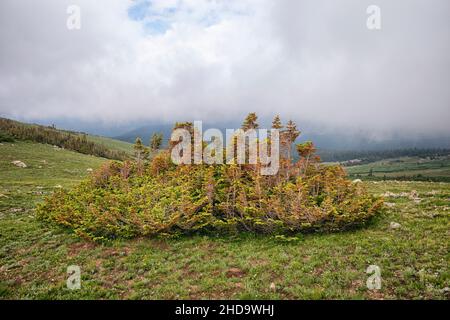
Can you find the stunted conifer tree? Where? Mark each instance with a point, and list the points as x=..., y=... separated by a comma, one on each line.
x=138, y=148
x=174, y=200
x=156, y=141
x=189, y=126
x=250, y=122
x=139, y=152
x=305, y=151
x=291, y=135
x=276, y=123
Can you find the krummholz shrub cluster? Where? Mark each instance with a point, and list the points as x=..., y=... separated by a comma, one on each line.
x=130, y=199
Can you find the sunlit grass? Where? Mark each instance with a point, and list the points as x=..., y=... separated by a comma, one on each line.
x=34, y=256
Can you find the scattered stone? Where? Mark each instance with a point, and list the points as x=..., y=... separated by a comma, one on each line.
x=273, y=287
x=194, y=288
x=15, y=210
x=89, y=169
x=405, y=194
x=389, y=194
x=19, y=164
x=414, y=195
x=58, y=186
x=395, y=225
x=357, y=181
x=422, y=274
x=389, y=204
x=432, y=215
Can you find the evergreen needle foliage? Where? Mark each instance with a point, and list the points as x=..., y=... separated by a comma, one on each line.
x=135, y=198
x=10, y=130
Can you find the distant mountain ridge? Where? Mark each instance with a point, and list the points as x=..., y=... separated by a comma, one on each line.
x=331, y=140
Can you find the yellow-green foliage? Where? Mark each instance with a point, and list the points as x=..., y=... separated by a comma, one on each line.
x=11, y=130
x=119, y=200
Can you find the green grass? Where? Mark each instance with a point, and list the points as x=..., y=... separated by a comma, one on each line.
x=45, y=164
x=404, y=167
x=112, y=144
x=34, y=256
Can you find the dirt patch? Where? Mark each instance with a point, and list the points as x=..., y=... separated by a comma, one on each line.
x=160, y=245
x=375, y=295
x=116, y=252
x=78, y=247
x=318, y=271
x=235, y=273
x=259, y=262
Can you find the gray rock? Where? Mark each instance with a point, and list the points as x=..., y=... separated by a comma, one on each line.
x=395, y=225
x=19, y=164
x=273, y=287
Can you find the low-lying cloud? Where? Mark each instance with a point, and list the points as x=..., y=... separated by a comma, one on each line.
x=313, y=61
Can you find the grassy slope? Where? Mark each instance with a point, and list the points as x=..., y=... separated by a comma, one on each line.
x=46, y=164
x=112, y=144
x=34, y=256
x=47, y=168
x=407, y=166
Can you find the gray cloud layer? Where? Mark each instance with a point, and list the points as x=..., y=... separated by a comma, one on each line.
x=310, y=60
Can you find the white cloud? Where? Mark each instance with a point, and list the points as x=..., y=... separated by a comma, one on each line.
x=217, y=60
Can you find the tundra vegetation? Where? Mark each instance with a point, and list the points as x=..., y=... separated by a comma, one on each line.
x=10, y=130
x=34, y=255
x=156, y=197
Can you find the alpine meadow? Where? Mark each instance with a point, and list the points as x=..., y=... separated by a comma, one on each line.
x=224, y=155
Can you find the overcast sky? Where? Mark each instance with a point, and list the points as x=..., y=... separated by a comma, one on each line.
x=161, y=60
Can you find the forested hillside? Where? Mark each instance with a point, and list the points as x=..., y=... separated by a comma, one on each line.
x=11, y=130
